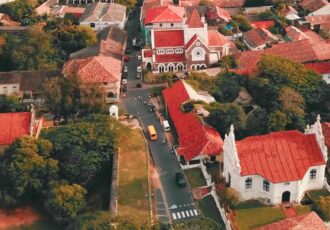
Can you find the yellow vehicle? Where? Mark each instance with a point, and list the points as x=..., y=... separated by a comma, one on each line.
x=152, y=132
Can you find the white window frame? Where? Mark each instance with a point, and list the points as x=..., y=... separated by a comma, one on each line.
x=169, y=51
x=160, y=51
x=179, y=51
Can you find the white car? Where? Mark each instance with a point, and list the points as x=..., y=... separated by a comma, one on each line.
x=139, y=57
x=124, y=81
x=125, y=69
x=139, y=69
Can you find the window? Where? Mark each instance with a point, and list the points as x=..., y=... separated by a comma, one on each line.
x=169, y=51
x=178, y=51
x=105, y=83
x=287, y=183
x=266, y=186
x=161, y=51
x=5, y=91
x=172, y=24
x=14, y=89
x=248, y=183
x=160, y=25
x=312, y=174
x=92, y=25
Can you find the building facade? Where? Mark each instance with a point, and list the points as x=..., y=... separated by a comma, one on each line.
x=277, y=167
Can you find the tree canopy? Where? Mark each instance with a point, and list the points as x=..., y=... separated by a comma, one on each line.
x=64, y=202
x=10, y=104
x=25, y=169
x=83, y=149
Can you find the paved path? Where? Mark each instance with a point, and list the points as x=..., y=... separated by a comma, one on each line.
x=172, y=202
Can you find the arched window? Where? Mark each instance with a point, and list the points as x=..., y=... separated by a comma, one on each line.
x=248, y=183
x=312, y=174
x=266, y=185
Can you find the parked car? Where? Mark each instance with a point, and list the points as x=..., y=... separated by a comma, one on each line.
x=134, y=42
x=138, y=85
x=179, y=179
x=139, y=69
x=127, y=51
x=124, y=81
x=139, y=57
x=138, y=75
x=124, y=88
x=126, y=58
x=125, y=69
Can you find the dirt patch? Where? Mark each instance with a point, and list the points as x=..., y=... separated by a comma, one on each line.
x=19, y=217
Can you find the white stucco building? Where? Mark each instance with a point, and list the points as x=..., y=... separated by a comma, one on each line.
x=277, y=167
x=100, y=15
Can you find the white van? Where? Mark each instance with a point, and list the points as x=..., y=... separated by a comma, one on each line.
x=166, y=126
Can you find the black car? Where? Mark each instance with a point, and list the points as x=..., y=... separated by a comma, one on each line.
x=179, y=179
x=124, y=87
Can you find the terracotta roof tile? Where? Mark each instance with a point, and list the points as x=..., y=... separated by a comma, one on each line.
x=326, y=133
x=319, y=67
x=229, y=3
x=262, y=24
x=295, y=34
x=216, y=39
x=259, y=36
x=279, y=156
x=322, y=20
x=218, y=12
x=95, y=69
x=164, y=14
x=13, y=126
x=313, y=5
x=194, y=20
x=309, y=221
x=191, y=41
x=161, y=38
x=147, y=53
x=194, y=137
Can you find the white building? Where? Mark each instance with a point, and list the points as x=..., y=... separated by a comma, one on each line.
x=5, y=1
x=100, y=15
x=277, y=167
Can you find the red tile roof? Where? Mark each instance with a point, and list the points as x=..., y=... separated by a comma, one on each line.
x=258, y=36
x=229, y=3
x=168, y=38
x=186, y=3
x=191, y=41
x=300, y=51
x=147, y=53
x=322, y=20
x=279, y=156
x=216, y=39
x=194, y=20
x=295, y=34
x=326, y=133
x=262, y=24
x=161, y=58
x=319, y=67
x=13, y=126
x=309, y=221
x=313, y=5
x=164, y=14
x=97, y=69
x=218, y=12
x=195, y=138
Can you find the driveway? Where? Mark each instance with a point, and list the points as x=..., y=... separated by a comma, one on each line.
x=172, y=202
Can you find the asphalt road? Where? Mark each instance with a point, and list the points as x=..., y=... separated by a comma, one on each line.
x=172, y=202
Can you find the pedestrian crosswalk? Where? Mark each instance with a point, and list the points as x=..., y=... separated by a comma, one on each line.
x=184, y=214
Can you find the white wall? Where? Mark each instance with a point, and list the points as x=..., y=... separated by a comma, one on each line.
x=326, y=77
x=254, y=48
x=101, y=25
x=9, y=89
x=201, y=32
x=5, y=1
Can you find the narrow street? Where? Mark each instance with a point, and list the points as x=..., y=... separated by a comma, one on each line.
x=172, y=202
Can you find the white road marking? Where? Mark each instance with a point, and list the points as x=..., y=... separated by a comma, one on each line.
x=174, y=216
x=179, y=216
x=195, y=211
x=191, y=212
x=183, y=215
x=187, y=213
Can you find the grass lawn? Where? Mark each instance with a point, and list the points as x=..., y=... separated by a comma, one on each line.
x=314, y=194
x=133, y=176
x=303, y=209
x=195, y=177
x=214, y=171
x=255, y=217
x=209, y=209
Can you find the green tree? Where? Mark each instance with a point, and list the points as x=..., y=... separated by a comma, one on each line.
x=242, y=21
x=83, y=149
x=228, y=62
x=323, y=205
x=278, y=121
x=228, y=87
x=18, y=10
x=65, y=202
x=257, y=122
x=10, y=104
x=223, y=115
x=102, y=220
x=68, y=96
x=292, y=102
x=128, y=3
x=25, y=169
